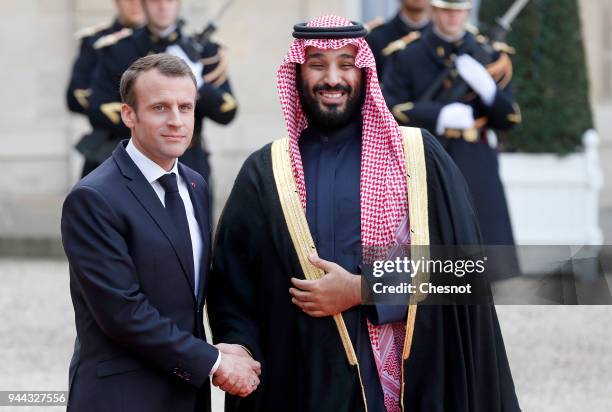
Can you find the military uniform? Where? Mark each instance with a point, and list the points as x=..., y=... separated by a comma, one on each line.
x=116, y=52
x=390, y=37
x=80, y=78
x=408, y=92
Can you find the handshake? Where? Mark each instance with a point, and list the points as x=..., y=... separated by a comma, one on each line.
x=238, y=373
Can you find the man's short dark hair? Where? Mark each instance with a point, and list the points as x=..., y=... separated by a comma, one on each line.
x=166, y=64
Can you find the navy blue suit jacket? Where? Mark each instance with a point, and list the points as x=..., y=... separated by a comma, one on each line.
x=138, y=321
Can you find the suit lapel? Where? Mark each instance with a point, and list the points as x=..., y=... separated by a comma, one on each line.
x=144, y=193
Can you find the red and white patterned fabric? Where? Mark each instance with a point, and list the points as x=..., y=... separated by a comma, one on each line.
x=383, y=189
x=387, y=342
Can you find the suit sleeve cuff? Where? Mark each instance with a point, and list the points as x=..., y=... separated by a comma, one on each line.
x=216, y=365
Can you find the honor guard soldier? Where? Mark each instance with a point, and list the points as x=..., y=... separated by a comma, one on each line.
x=130, y=15
x=162, y=34
x=407, y=25
x=456, y=85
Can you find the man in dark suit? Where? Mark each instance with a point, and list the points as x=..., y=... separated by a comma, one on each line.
x=137, y=235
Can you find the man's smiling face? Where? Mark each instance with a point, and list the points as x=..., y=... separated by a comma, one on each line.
x=330, y=86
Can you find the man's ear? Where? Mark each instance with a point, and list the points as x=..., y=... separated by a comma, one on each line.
x=128, y=115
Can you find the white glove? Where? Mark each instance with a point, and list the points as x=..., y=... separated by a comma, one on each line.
x=455, y=116
x=477, y=77
x=492, y=138
x=196, y=67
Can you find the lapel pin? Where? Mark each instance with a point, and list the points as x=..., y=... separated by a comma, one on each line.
x=193, y=184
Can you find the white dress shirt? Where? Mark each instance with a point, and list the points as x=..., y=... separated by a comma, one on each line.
x=152, y=171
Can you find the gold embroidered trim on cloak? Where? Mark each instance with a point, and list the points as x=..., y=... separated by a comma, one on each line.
x=295, y=218
x=414, y=156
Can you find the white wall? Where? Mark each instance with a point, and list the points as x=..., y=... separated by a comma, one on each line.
x=38, y=162
x=35, y=126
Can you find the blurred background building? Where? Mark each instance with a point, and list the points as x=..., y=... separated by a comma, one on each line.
x=38, y=134
x=597, y=29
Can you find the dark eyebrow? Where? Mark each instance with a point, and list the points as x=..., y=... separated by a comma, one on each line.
x=318, y=55
x=166, y=103
x=314, y=55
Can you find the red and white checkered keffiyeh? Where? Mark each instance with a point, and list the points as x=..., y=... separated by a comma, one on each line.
x=383, y=173
x=384, y=202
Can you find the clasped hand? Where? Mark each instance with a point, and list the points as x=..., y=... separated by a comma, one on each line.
x=238, y=373
x=335, y=292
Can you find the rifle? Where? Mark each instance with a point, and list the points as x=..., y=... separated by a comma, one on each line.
x=204, y=36
x=459, y=87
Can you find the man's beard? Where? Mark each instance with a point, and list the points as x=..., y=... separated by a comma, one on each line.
x=334, y=117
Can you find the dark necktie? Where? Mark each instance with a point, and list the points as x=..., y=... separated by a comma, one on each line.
x=176, y=210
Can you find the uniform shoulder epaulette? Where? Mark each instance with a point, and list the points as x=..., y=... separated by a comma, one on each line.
x=502, y=47
x=90, y=31
x=482, y=39
x=472, y=29
x=374, y=23
x=498, y=46
x=401, y=44
x=112, y=38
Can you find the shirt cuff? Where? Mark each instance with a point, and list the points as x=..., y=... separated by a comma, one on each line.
x=216, y=365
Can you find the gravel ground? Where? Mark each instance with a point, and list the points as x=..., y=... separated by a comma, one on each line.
x=561, y=356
